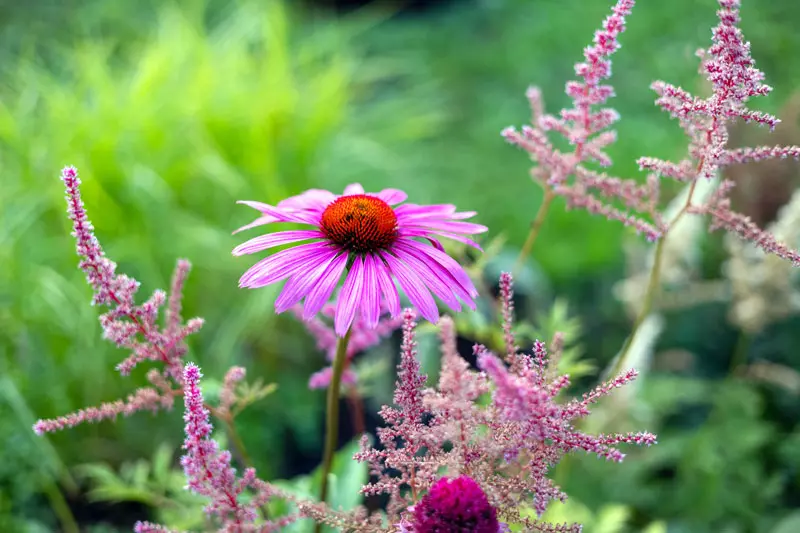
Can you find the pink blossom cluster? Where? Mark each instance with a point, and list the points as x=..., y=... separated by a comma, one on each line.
x=128, y=325
x=507, y=447
x=734, y=79
x=209, y=472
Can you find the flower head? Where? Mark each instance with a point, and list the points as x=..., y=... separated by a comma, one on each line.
x=372, y=241
x=455, y=506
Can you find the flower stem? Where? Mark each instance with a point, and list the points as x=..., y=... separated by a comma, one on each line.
x=654, y=283
x=357, y=411
x=536, y=226
x=332, y=416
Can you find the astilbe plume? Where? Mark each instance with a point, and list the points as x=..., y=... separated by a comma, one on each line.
x=506, y=448
x=209, y=473
x=128, y=325
x=734, y=79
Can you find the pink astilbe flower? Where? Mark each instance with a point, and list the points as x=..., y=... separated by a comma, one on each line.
x=209, y=472
x=734, y=79
x=372, y=239
x=127, y=324
x=455, y=506
x=362, y=338
x=505, y=449
x=586, y=127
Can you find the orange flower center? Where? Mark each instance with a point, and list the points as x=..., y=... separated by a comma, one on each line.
x=360, y=223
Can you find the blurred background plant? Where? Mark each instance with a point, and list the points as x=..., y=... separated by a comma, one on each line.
x=175, y=110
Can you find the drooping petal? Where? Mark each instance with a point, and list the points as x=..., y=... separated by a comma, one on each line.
x=283, y=264
x=371, y=306
x=450, y=226
x=349, y=298
x=447, y=262
x=270, y=240
x=260, y=221
x=425, y=233
x=301, y=282
x=319, y=293
x=416, y=290
x=405, y=250
x=353, y=188
x=389, y=291
x=425, y=270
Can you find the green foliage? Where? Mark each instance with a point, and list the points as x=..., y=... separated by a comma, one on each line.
x=156, y=483
x=608, y=519
x=346, y=478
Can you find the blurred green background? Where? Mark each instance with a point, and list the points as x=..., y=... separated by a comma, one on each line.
x=172, y=111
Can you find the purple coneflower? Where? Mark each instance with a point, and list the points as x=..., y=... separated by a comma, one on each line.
x=371, y=238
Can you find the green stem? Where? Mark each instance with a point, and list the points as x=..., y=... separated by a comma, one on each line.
x=536, y=226
x=332, y=416
x=647, y=307
x=60, y=507
x=237, y=442
x=654, y=284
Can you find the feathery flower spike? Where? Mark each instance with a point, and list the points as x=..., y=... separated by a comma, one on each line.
x=372, y=239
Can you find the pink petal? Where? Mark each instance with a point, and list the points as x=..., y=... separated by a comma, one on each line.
x=266, y=219
x=283, y=264
x=321, y=292
x=424, y=270
x=284, y=215
x=371, y=306
x=426, y=233
x=353, y=188
x=447, y=262
x=388, y=289
x=467, y=228
x=414, y=211
x=414, y=288
x=270, y=240
x=349, y=298
x=442, y=272
x=299, y=284
x=392, y=196
x=314, y=199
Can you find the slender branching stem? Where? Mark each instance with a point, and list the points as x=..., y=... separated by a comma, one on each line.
x=536, y=227
x=654, y=283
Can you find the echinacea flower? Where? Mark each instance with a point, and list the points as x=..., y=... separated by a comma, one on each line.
x=371, y=238
x=455, y=506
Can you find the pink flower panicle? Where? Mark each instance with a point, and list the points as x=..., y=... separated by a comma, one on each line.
x=143, y=399
x=734, y=78
x=507, y=299
x=586, y=127
x=362, y=338
x=448, y=431
x=148, y=527
x=209, y=472
x=406, y=426
x=127, y=325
